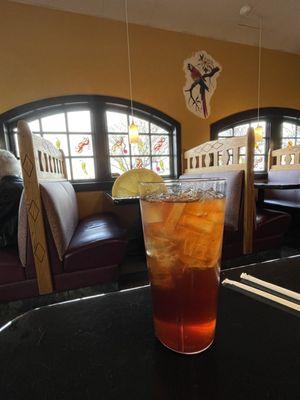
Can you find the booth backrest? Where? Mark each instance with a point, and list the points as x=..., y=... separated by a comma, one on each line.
x=60, y=203
x=230, y=158
x=286, y=158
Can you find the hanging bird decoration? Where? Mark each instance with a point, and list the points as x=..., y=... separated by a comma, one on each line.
x=201, y=73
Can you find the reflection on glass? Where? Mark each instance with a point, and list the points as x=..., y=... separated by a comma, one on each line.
x=142, y=147
x=34, y=125
x=116, y=122
x=160, y=144
x=81, y=145
x=118, y=165
x=79, y=121
x=118, y=144
x=83, y=168
x=161, y=165
x=59, y=141
x=157, y=129
x=54, y=123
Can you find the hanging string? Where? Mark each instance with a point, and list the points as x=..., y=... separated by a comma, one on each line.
x=259, y=68
x=129, y=57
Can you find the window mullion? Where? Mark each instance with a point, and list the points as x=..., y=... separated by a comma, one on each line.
x=101, y=141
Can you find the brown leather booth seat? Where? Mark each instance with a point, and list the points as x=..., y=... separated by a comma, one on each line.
x=269, y=227
x=82, y=253
x=283, y=198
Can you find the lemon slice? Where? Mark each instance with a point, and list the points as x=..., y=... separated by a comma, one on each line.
x=127, y=184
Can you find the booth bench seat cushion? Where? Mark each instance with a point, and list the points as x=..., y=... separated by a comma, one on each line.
x=271, y=223
x=97, y=241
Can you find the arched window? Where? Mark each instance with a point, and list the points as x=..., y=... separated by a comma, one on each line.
x=93, y=133
x=281, y=128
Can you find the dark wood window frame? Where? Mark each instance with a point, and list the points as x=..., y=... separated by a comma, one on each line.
x=98, y=105
x=274, y=116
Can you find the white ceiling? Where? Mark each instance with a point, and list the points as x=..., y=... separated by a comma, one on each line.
x=217, y=19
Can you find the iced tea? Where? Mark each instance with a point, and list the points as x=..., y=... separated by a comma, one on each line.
x=183, y=238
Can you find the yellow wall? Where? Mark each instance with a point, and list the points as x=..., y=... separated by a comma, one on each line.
x=48, y=53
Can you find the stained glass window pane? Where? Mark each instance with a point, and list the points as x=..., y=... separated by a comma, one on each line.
x=288, y=130
x=242, y=159
x=142, y=147
x=59, y=141
x=119, y=165
x=116, y=122
x=143, y=125
x=34, y=126
x=79, y=121
x=161, y=165
x=160, y=144
x=141, y=162
x=81, y=145
x=157, y=129
x=240, y=130
x=288, y=142
x=226, y=133
x=263, y=124
x=242, y=150
x=260, y=147
x=83, y=168
x=118, y=144
x=54, y=123
x=259, y=163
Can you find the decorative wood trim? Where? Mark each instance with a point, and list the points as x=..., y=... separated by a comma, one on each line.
x=224, y=155
x=289, y=155
x=28, y=156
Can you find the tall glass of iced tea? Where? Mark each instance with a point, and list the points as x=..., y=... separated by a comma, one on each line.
x=183, y=224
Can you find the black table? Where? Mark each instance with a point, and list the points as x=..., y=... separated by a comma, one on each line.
x=123, y=200
x=262, y=186
x=104, y=348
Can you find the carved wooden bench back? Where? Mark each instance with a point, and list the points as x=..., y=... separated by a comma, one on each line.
x=285, y=158
x=40, y=160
